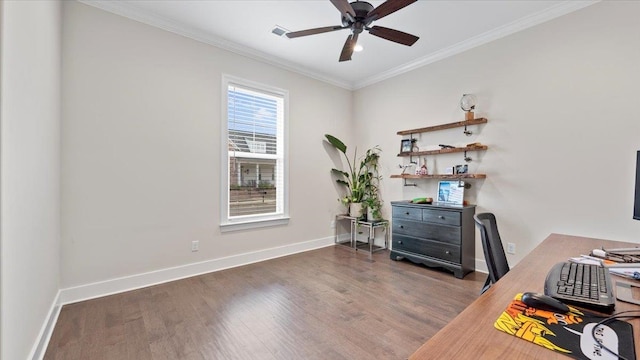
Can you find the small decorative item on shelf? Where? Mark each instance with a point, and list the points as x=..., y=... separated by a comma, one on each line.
x=423, y=169
x=405, y=167
x=462, y=169
x=468, y=104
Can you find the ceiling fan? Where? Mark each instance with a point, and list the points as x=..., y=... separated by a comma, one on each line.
x=357, y=16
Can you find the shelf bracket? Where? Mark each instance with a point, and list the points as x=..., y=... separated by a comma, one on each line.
x=466, y=158
x=464, y=184
x=414, y=148
x=407, y=184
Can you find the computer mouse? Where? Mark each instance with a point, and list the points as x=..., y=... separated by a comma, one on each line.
x=544, y=302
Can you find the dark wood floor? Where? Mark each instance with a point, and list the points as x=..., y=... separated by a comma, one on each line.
x=331, y=303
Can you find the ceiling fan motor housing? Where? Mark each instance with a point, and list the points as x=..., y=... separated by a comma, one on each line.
x=362, y=9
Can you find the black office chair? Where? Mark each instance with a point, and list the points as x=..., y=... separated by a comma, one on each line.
x=492, y=246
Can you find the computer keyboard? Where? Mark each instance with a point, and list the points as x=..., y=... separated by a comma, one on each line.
x=583, y=285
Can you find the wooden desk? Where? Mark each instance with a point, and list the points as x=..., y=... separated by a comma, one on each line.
x=471, y=334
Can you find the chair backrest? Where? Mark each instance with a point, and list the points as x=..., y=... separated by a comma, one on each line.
x=492, y=246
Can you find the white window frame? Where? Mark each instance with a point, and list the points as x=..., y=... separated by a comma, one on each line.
x=259, y=220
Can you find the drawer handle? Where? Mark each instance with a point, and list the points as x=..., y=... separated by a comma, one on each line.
x=407, y=213
x=399, y=241
x=401, y=226
x=447, y=252
x=440, y=217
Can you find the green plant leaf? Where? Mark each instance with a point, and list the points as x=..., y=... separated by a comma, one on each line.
x=336, y=143
x=362, y=178
x=340, y=172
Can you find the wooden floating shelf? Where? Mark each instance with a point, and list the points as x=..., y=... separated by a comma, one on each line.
x=444, y=126
x=443, y=177
x=444, y=151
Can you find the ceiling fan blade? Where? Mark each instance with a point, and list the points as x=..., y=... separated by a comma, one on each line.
x=386, y=8
x=295, y=34
x=345, y=9
x=347, y=49
x=394, y=35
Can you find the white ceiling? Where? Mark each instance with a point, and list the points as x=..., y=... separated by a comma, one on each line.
x=444, y=27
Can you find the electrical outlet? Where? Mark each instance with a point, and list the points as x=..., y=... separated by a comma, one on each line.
x=195, y=245
x=511, y=248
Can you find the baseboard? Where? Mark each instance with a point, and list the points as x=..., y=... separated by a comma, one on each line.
x=137, y=281
x=40, y=347
x=481, y=266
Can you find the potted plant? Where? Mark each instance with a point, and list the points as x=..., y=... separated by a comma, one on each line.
x=374, y=208
x=372, y=200
x=361, y=180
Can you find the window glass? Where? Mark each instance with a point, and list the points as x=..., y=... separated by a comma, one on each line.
x=255, y=121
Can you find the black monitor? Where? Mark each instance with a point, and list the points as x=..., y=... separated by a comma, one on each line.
x=636, y=202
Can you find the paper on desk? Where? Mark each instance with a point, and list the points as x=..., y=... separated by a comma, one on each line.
x=592, y=260
x=626, y=272
x=586, y=259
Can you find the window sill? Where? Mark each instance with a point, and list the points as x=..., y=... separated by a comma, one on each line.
x=253, y=224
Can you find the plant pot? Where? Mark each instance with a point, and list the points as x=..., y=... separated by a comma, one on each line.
x=355, y=210
x=370, y=216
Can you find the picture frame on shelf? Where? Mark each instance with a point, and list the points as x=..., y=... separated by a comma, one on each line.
x=406, y=145
x=462, y=169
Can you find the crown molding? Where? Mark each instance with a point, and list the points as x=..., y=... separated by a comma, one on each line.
x=132, y=12
x=481, y=39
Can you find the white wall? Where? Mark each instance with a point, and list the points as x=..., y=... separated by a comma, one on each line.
x=562, y=104
x=29, y=172
x=141, y=149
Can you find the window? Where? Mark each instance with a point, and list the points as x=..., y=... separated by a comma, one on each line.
x=254, y=185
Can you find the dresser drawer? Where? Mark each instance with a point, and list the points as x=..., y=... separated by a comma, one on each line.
x=429, y=248
x=407, y=213
x=442, y=217
x=443, y=233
